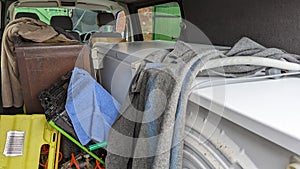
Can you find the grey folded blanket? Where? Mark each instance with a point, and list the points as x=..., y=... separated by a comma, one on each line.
x=145, y=134
x=149, y=132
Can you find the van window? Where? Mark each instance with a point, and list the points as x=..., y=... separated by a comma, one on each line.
x=122, y=25
x=83, y=20
x=160, y=22
x=44, y=14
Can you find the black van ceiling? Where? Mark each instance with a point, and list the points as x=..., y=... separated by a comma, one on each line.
x=141, y=2
x=273, y=23
x=128, y=1
x=132, y=1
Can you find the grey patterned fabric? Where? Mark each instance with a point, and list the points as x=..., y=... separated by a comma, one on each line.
x=149, y=131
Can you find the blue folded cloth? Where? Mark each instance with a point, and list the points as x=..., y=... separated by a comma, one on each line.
x=91, y=108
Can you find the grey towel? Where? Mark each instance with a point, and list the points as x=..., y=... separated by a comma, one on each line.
x=149, y=131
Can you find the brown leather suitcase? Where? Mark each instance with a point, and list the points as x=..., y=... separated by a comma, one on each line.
x=41, y=65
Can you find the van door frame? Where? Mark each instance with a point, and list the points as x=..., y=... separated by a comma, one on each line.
x=133, y=9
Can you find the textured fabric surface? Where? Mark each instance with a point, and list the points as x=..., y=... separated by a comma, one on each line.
x=90, y=107
x=247, y=47
x=29, y=29
x=149, y=131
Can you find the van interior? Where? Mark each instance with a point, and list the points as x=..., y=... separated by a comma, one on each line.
x=111, y=39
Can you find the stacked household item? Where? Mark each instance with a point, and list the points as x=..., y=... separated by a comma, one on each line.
x=136, y=66
x=82, y=111
x=24, y=42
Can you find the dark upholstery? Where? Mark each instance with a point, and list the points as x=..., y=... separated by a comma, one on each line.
x=63, y=22
x=105, y=18
x=64, y=25
x=75, y=35
x=27, y=14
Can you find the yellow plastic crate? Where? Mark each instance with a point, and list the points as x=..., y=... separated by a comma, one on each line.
x=37, y=132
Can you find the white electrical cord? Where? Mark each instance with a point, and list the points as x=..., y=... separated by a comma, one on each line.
x=295, y=163
x=250, y=60
x=246, y=60
x=223, y=81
